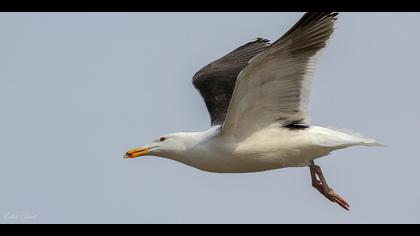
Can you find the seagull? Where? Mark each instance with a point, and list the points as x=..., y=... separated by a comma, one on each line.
x=257, y=98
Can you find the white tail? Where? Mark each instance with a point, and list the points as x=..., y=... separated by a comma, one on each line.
x=340, y=138
x=359, y=138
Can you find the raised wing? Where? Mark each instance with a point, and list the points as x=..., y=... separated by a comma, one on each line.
x=274, y=86
x=216, y=81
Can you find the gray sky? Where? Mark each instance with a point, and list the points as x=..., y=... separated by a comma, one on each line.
x=77, y=90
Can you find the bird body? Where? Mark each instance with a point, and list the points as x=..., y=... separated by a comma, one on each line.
x=270, y=148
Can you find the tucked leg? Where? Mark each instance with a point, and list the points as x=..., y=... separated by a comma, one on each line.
x=320, y=183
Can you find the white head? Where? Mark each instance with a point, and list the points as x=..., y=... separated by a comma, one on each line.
x=172, y=146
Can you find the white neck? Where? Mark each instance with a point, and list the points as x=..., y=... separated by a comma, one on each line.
x=183, y=142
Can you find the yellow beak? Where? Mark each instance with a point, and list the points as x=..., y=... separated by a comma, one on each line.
x=136, y=152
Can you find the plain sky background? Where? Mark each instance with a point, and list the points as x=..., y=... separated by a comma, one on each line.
x=77, y=90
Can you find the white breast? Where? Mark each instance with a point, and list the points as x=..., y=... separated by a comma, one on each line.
x=268, y=149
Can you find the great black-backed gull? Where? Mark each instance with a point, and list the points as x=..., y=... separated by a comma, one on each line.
x=257, y=97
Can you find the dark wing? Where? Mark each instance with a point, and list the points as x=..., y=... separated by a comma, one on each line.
x=274, y=87
x=216, y=81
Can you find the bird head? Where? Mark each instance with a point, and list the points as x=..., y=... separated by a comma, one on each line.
x=169, y=146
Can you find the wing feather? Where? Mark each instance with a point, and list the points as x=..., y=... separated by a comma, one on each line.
x=274, y=87
x=216, y=81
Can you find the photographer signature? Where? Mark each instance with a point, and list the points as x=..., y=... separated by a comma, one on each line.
x=13, y=216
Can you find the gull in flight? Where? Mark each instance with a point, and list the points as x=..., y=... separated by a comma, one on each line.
x=257, y=97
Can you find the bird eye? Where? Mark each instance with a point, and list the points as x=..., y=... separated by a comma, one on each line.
x=162, y=139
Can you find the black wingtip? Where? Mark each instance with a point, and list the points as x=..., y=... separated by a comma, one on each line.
x=259, y=39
